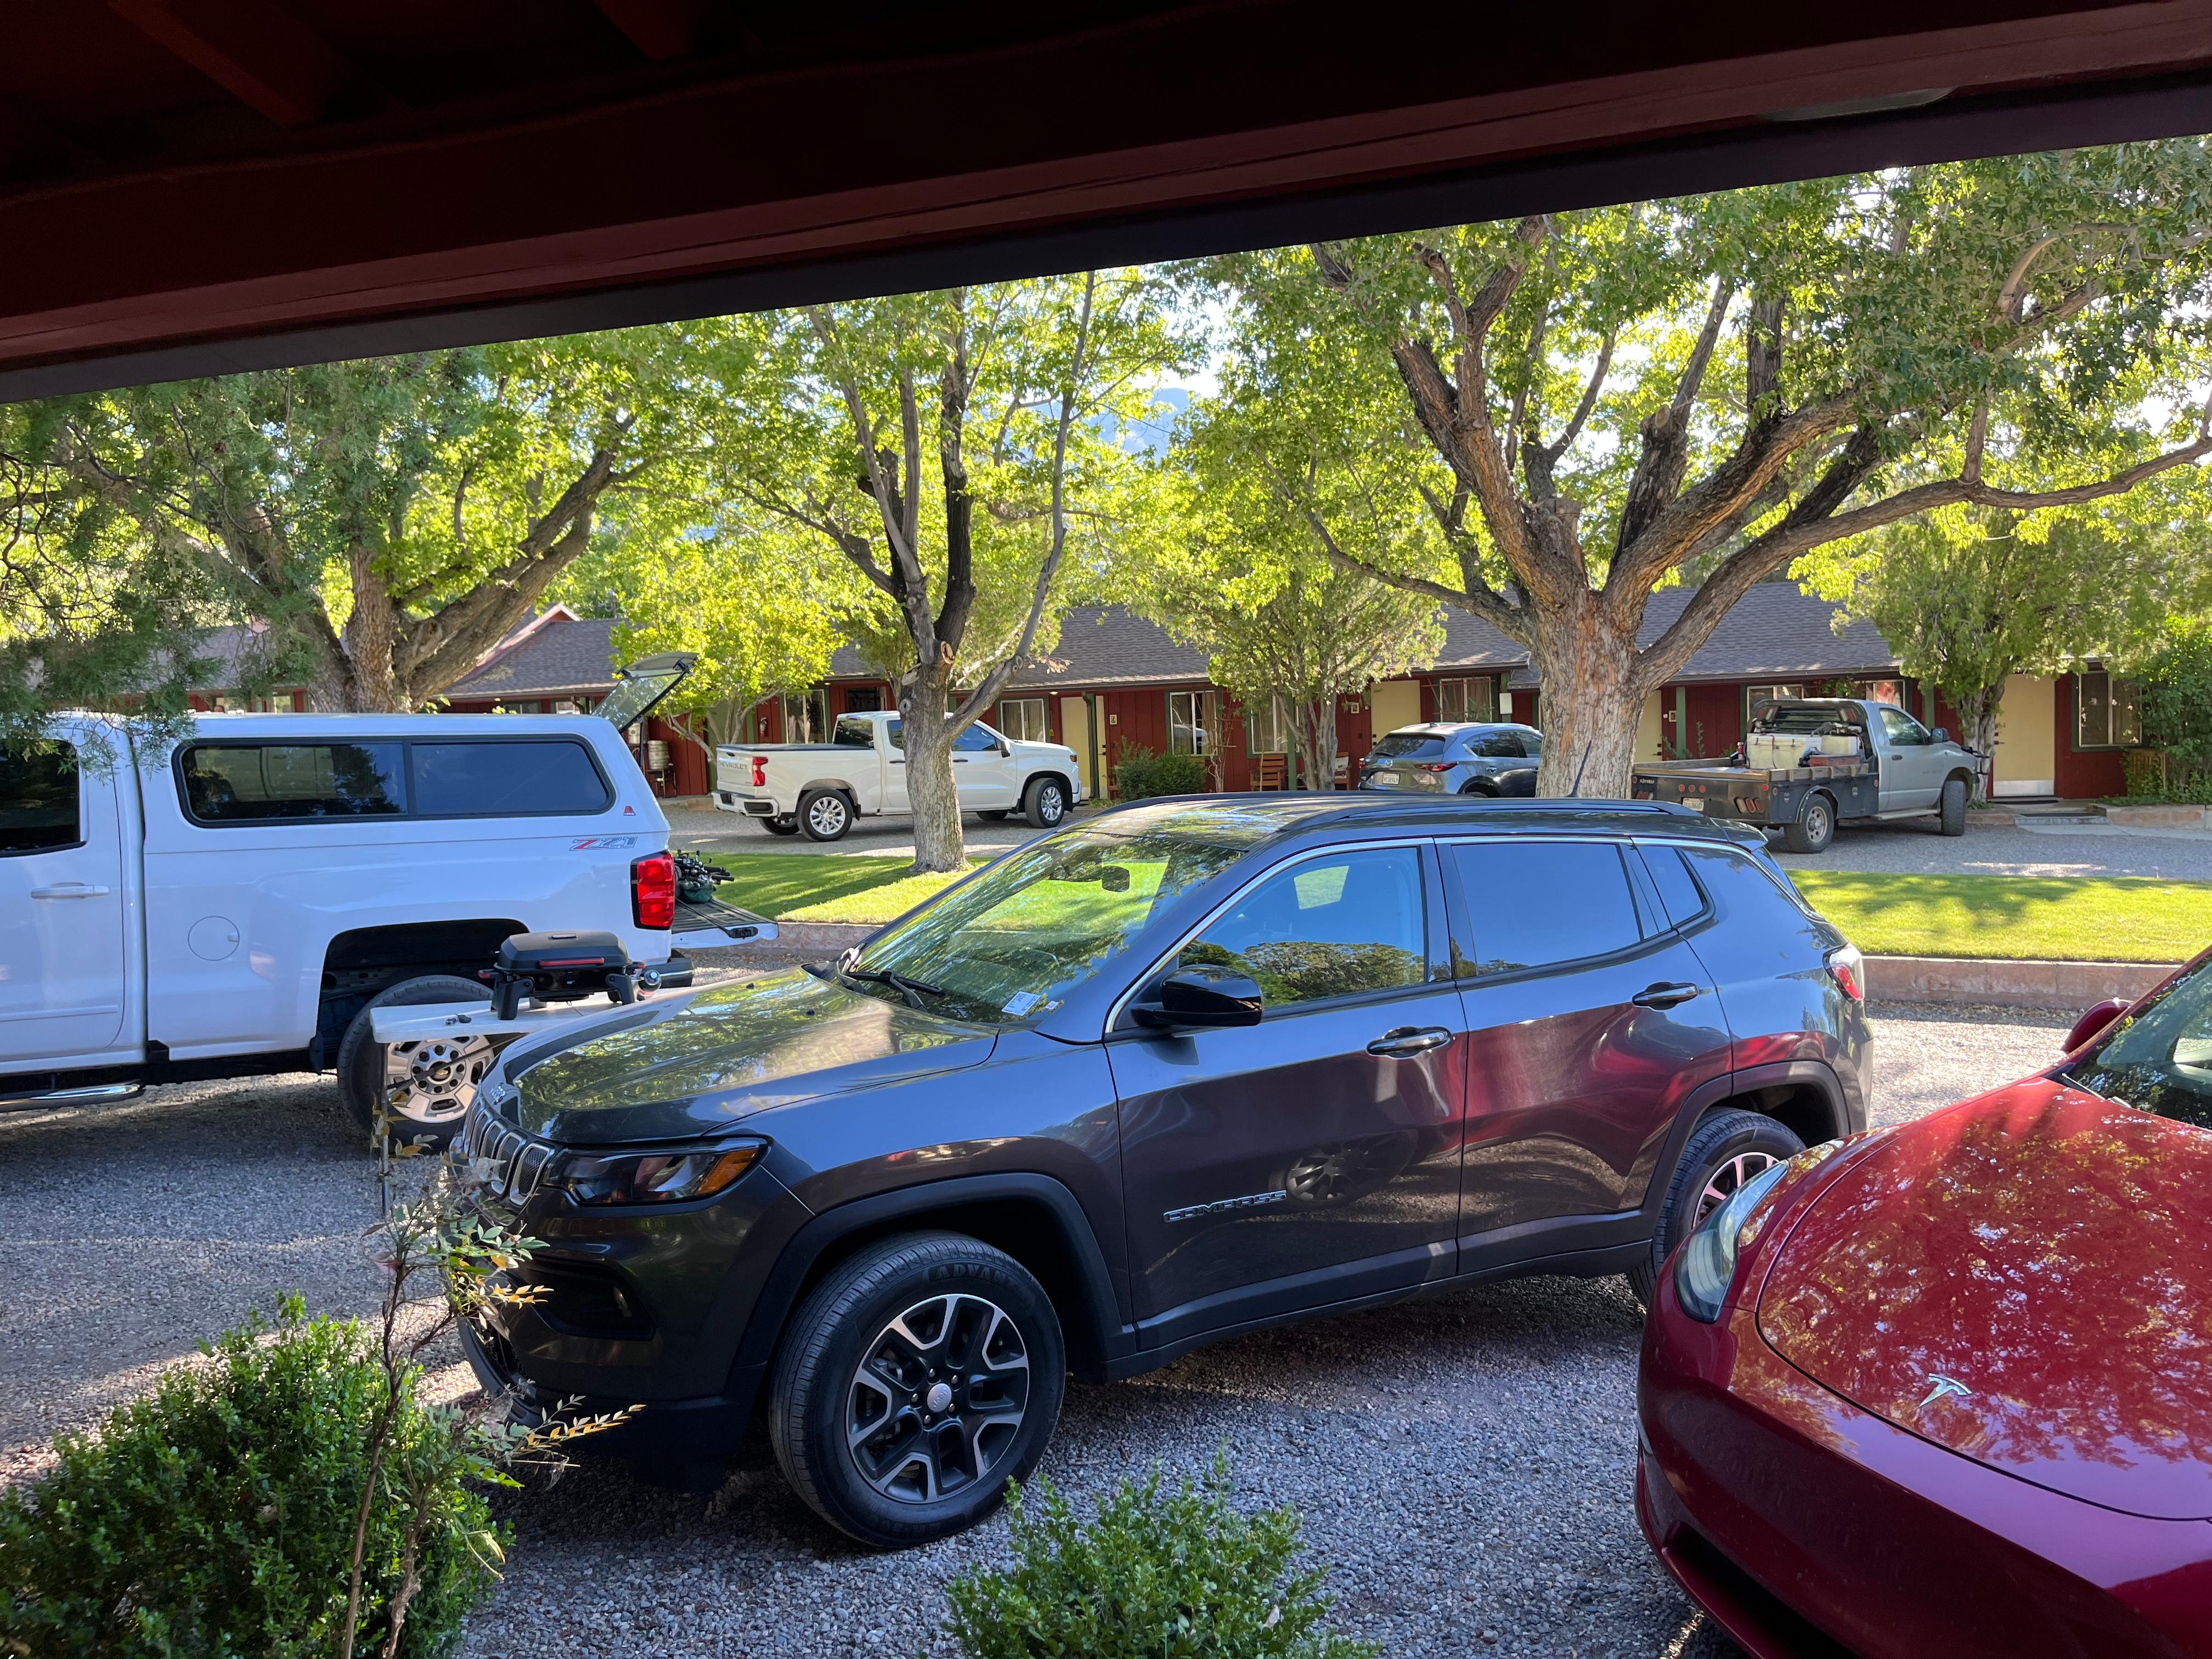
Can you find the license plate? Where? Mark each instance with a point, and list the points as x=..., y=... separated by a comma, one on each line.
x=1695, y=803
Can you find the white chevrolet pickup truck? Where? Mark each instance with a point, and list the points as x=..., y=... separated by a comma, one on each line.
x=235, y=903
x=819, y=788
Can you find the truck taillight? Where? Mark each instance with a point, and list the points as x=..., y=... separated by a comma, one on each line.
x=652, y=890
x=760, y=771
x=1849, y=968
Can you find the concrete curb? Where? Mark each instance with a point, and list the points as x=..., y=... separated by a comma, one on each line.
x=2160, y=818
x=1968, y=980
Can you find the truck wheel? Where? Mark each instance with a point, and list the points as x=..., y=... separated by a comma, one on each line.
x=1046, y=804
x=781, y=826
x=1725, y=1150
x=1815, y=826
x=918, y=1380
x=426, y=1085
x=825, y=815
x=1951, y=812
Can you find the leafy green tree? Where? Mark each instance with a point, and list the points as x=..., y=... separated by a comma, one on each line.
x=1703, y=390
x=1967, y=598
x=2176, y=678
x=388, y=520
x=1232, y=563
x=761, y=606
x=950, y=446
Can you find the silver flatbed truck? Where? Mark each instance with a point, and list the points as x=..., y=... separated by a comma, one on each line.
x=1809, y=764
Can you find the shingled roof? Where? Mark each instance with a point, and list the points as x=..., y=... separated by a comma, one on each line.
x=563, y=658
x=1775, y=629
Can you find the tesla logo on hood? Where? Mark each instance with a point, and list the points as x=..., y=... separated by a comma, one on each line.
x=1944, y=1388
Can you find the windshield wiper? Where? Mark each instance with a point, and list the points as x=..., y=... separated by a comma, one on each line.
x=905, y=987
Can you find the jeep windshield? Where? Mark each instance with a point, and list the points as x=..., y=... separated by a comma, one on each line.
x=1005, y=947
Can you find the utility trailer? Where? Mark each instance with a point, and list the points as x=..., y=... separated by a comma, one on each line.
x=1809, y=764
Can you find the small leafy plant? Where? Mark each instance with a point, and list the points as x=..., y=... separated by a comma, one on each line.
x=1141, y=774
x=1155, y=1574
x=296, y=1495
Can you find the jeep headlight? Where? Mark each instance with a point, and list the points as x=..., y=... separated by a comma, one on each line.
x=662, y=1177
x=1706, y=1267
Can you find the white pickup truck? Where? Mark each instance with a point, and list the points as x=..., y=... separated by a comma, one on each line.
x=235, y=903
x=819, y=788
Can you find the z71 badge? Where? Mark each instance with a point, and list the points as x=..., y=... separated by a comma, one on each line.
x=595, y=843
x=1223, y=1206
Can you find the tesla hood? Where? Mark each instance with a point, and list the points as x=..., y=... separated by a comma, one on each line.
x=2026, y=1280
x=699, y=1066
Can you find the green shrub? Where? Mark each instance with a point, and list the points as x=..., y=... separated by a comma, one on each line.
x=1139, y=774
x=1153, y=1574
x=215, y=1516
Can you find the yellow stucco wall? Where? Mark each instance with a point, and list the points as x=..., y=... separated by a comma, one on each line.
x=1648, y=736
x=1393, y=703
x=2027, y=739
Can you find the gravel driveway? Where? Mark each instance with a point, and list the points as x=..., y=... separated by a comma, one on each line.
x=1463, y=1462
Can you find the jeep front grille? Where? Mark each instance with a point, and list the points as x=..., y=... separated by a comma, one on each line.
x=510, y=1162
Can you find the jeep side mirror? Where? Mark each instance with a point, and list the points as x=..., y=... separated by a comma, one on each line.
x=1201, y=997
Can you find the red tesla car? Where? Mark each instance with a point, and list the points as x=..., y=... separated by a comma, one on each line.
x=1946, y=1388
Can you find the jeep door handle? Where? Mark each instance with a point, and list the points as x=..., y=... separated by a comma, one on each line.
x=1663, y=995
x=70, y=889
x=1409, y=1040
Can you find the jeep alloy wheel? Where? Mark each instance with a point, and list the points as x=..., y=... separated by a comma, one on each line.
x=937, y=1402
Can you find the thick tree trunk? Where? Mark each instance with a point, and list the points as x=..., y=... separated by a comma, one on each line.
x=1592, y=698
x=938, y=844
x=1980, y=714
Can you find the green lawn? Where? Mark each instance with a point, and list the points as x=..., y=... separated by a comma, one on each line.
x=2102, y=919
x=2079, y=918
x=824, y=886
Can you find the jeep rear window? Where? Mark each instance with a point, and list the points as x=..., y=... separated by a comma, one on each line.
x=261, y=782
x=37, y=796
x=1534, y=903
x=505, y=779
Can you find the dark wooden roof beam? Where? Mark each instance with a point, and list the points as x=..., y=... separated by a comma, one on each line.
x=661, y=29
x=254, y=49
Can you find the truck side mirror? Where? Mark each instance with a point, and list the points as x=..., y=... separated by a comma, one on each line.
x=1199, y=997
x=1943, y=736
x=1005, y=748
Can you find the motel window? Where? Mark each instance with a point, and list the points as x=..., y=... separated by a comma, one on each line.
x=2106, y=715
x=806, y=715
x=1191, y=725
x=1268, y=728
x=1467, y=700
x=1753, y=696
x=1023, y=718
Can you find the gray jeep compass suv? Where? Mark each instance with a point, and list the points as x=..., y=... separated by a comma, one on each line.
x=1180, y=1071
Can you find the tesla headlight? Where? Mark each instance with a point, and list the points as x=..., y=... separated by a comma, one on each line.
x=1706, y=1267
x=666, y=1178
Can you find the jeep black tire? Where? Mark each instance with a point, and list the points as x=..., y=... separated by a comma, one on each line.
x=825, y=815
x=1815, y=824
x=781, y=826
x=914, y=1383
x=1726, y=1149
x=431, y=1082
x=1950, y=812
x=1045, y=804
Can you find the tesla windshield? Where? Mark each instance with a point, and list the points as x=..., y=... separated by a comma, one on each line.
x=2160, y=1060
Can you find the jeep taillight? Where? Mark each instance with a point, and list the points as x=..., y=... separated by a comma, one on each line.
x=1849, y=968
x=652, y=890
x=760, y=771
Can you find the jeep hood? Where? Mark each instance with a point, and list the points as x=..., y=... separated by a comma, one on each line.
x=2026, y=1280
x=717, y=1057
